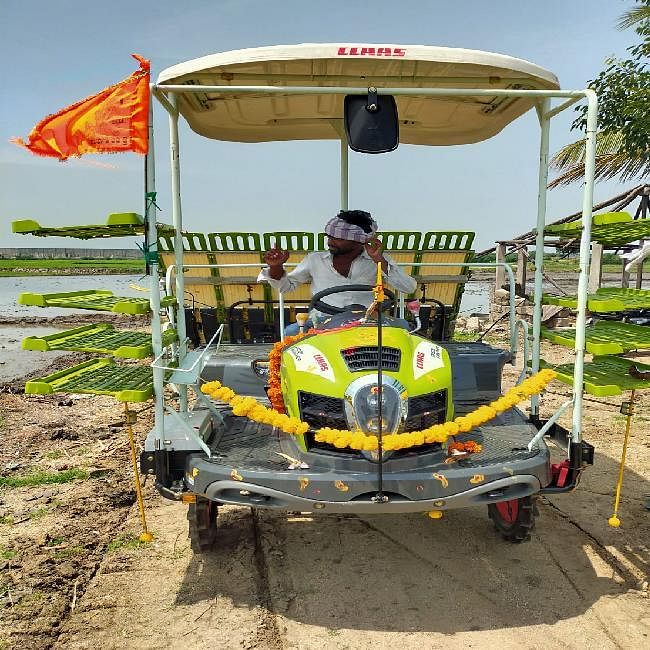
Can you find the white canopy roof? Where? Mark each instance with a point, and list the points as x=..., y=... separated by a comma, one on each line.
x=259, y=117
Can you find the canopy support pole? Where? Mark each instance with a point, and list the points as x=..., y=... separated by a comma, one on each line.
x=545, y=123
x=345, y=177
x=177, y=217
x=583, y=279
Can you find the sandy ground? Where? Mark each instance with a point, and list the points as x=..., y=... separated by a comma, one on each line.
x=74, y=576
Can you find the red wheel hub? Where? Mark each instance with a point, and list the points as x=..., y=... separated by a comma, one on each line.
x=508, y=510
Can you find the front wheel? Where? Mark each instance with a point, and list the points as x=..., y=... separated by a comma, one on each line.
x=202, y=520
x=514, y=519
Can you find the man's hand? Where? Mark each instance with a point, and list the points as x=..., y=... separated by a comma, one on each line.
x=374, y=250
x=275, y=258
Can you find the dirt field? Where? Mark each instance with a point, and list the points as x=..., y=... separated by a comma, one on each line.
x=74, y=575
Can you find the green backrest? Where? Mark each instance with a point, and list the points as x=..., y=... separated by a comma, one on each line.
x=192, y=241
x=448, y=240
x=235, y=241
x=289, y=240
x=294, y=241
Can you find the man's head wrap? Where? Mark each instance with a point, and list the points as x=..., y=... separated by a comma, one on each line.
x=341, y=229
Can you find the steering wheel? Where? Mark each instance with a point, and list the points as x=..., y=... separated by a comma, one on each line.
x=317, y=298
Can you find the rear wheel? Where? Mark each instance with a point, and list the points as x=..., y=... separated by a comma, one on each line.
x=514, y=519
x=202, y=520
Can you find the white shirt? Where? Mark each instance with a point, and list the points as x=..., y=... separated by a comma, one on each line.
x=318, y=269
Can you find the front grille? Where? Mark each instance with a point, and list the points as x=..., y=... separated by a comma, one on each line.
x=367, y=358
x=426, y=410
x=321, y=411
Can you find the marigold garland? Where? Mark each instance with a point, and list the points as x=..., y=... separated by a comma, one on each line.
x=275, y=360
x=252, y=409
x=469, y=447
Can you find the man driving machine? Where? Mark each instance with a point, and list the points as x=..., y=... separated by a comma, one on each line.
x=351, y=259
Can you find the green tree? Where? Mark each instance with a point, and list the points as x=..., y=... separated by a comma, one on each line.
x=623, y=87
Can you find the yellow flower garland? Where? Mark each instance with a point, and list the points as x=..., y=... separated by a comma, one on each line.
x=252, y=409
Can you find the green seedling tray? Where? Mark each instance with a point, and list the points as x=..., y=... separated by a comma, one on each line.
x=609, y=229
x=570, y=228
x=605, y=376
x=606, y=299
x=622, y=233
x=604, y=337
x=92, y=299
x=101, y=338
x=119, y=224
x=99, y=377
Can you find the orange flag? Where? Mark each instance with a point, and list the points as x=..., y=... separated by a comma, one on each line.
x=115, y=119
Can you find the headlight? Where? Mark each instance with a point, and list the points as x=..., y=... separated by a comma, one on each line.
x=362, y=404
x=373, y=425
x=373, y=398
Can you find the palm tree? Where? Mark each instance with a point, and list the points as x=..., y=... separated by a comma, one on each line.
x=634, y=16
x=613, y=156
x=612, y=160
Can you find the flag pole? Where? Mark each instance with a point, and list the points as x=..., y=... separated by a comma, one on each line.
x=379, y=299
x=151, y=255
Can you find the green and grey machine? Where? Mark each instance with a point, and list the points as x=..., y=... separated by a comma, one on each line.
x=369, y=98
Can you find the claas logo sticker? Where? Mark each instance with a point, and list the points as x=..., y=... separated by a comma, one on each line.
x=371, y=51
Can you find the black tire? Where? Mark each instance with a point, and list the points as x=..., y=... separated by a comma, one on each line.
x=514, y=519
x=202, y=520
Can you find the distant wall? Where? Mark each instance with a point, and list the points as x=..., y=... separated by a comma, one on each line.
x=70, y=253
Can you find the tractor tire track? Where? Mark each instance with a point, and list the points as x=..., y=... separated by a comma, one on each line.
x=268, y=631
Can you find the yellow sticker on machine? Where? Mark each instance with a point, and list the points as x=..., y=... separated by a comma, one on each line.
x=308, y=358
x=427, y=357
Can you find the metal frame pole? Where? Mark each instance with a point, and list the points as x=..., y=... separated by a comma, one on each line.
x=585, y=250
x=281, y=314
x=345, y=174
x=154, y=285
x=523, y=325
x=177, y=217
x=545, y=123
x=338, y=90
x=549, y=423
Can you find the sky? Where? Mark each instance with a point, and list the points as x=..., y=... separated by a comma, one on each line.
x=58, y=52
